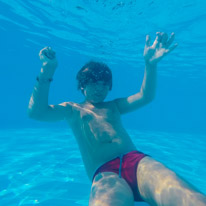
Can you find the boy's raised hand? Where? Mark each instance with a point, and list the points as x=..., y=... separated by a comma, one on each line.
x=49, y=61
x=48, y=56
x=161, y=46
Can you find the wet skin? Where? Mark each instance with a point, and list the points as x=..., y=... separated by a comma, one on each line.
x=97, y=127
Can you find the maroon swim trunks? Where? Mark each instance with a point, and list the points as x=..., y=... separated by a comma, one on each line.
x=125, y=166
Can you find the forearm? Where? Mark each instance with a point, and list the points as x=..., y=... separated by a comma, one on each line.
x=38, y=103
x=148, y=87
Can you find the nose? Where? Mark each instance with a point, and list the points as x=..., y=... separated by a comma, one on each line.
x=98, y=90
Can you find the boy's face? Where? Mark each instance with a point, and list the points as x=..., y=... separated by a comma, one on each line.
x=96, y=92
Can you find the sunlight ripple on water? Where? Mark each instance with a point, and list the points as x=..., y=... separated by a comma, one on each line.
x=114, y=31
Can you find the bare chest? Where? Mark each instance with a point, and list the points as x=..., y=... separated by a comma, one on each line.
x=97, y=124
x=101, y=113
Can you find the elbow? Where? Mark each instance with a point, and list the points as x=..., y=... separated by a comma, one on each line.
x=148, y=99
x=31, y=110
x=37, y=113
x=148, y=95
x=33, y=115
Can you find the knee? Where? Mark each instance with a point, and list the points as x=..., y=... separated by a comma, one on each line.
x=110, y=190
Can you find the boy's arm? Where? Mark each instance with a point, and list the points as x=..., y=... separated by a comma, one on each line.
x=38, y=105
x=152, y=55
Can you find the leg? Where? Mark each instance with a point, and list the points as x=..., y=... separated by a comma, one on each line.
x=160, y=186
x=110, y=190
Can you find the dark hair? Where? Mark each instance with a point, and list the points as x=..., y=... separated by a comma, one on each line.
x=93, y=72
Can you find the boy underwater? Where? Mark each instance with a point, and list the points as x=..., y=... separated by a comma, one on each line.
x=119, y=173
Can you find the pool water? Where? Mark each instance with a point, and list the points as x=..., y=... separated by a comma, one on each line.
x=40, y=163
x=44, y=166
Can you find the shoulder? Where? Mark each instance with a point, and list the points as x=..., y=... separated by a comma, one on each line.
x=67, y=104
x=65, y=107
x=112, y=105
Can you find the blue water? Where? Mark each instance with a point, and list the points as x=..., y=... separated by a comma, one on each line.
x=44, y=167
x=40, y=162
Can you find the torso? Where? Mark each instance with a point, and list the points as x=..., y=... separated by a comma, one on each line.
x=99, y=133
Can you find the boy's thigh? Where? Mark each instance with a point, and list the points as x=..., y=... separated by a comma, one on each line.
x=110, y=190
x=159, y=185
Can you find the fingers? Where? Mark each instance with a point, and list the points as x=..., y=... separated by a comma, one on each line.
x=164, y=38
x=48, y=52
x=171, y=48
x=163, y=41
x=171, y=39
x=147, y=44
x=157, y=40
x=169, y=42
